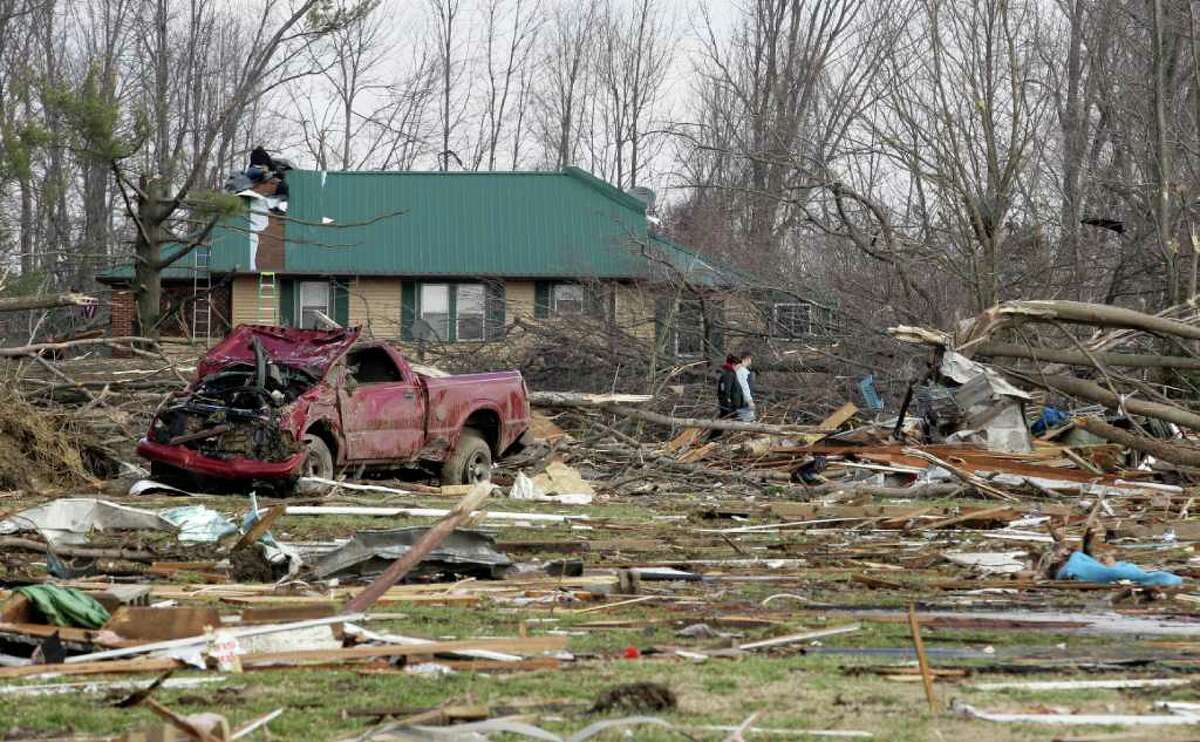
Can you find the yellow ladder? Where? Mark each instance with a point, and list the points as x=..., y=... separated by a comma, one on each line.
x=268, y=299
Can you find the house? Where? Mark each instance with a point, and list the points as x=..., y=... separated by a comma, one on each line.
x=452, y=258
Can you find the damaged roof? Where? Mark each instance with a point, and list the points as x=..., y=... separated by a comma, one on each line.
x=566, y=224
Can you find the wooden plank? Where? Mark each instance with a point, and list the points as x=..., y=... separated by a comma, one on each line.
x=93, y=668
x=531, y=645
x=922, y=660
x=260, y=527
x=1002, y=512
x=839, y=417
x=806, y=636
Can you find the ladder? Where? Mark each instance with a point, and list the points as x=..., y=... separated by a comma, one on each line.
x=202, y=294
x=268, y=298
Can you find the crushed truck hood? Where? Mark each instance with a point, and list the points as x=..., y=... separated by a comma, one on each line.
x=313, y=350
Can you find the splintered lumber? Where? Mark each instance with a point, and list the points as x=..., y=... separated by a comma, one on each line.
x=1157, y=448
x=922, y=660
x=708, y=424
x=806, y=636
x=202, y=639
x=1076, y=358
x=840, y=416
x=424, y=513
x=1094, y=392
x=975, y=481
x=260, y=527
x=528, y=645
x=415, y=553
x=89, y=552
x=147, y=664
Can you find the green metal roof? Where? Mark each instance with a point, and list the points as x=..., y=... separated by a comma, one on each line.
x=527, y=224
x=229, y=252
x=566, y=224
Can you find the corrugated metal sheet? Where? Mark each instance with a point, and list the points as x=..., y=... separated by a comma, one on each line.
x=549, y=225
x=566, y=224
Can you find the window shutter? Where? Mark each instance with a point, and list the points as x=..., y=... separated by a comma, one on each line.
x=452, y=329
x=662, y=329
x=594, y=300
x=715, y=328
x=287, y=302
x=493, y=321
x=341, y=301
x=541, y=299
x=408, y=308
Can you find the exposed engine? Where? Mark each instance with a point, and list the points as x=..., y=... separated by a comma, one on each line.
x=236, y=412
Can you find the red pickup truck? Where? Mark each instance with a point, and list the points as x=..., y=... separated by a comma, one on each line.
x=272, y=404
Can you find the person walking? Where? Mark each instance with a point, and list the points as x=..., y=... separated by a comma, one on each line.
x=729, y=393
x=745, y=411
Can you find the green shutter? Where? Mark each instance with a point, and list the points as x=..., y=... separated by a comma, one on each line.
x=452, y=322
x=715, y=326
x=408, y=308
x=287, y=302
x=493, y=318
x=594, y=295
x=341, y=301
x=541, y=299
x=662, y=328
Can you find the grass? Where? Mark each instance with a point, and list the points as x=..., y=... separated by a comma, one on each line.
x=790, y=688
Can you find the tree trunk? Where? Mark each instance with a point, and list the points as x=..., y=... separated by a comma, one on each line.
x=147, y=278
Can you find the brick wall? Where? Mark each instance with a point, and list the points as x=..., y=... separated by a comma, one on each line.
x=122, y=313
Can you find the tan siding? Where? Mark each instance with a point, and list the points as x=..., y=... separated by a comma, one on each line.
x=375, y=304
x=635, y=311
x=519, y=297
x=245, y=309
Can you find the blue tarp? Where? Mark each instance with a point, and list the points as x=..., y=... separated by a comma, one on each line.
x=1082, y=567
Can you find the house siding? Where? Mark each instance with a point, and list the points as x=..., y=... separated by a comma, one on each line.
x=245, y=309
x=635, y=311
x=375, y=303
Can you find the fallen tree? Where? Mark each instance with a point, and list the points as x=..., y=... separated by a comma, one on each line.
x=1010, y=313
x=45, y=301
x=1173, y=453
x=1093, y=392
x=1077, y=358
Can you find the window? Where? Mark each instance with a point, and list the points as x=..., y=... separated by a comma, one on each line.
x=791, y=321
x=689, y=329
x=567, y=299
x=314, y=297
x=435, y=308
x=372, y=365
x=469, y=311
x=454, y=312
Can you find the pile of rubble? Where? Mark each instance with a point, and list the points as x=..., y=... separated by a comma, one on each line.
x=992, y=499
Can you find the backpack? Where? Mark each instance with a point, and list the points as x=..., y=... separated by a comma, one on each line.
x=729, y=391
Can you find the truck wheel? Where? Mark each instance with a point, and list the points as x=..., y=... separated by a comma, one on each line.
x=318, y=461
x=471, y=461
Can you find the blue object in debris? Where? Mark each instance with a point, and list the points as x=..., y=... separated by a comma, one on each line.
x=1051, y=417
x=1082, y=567
x=866, y=388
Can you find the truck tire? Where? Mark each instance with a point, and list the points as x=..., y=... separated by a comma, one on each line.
x=471, y=461
x=318, y=459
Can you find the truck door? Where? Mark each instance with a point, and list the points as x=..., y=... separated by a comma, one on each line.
x=382, y=406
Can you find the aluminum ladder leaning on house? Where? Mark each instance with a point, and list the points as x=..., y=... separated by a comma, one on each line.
x=268, y=299
x=202, y=294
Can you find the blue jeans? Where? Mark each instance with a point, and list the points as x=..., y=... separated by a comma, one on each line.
x=745, y=414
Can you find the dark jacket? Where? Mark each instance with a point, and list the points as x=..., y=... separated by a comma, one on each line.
x=729, y=391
